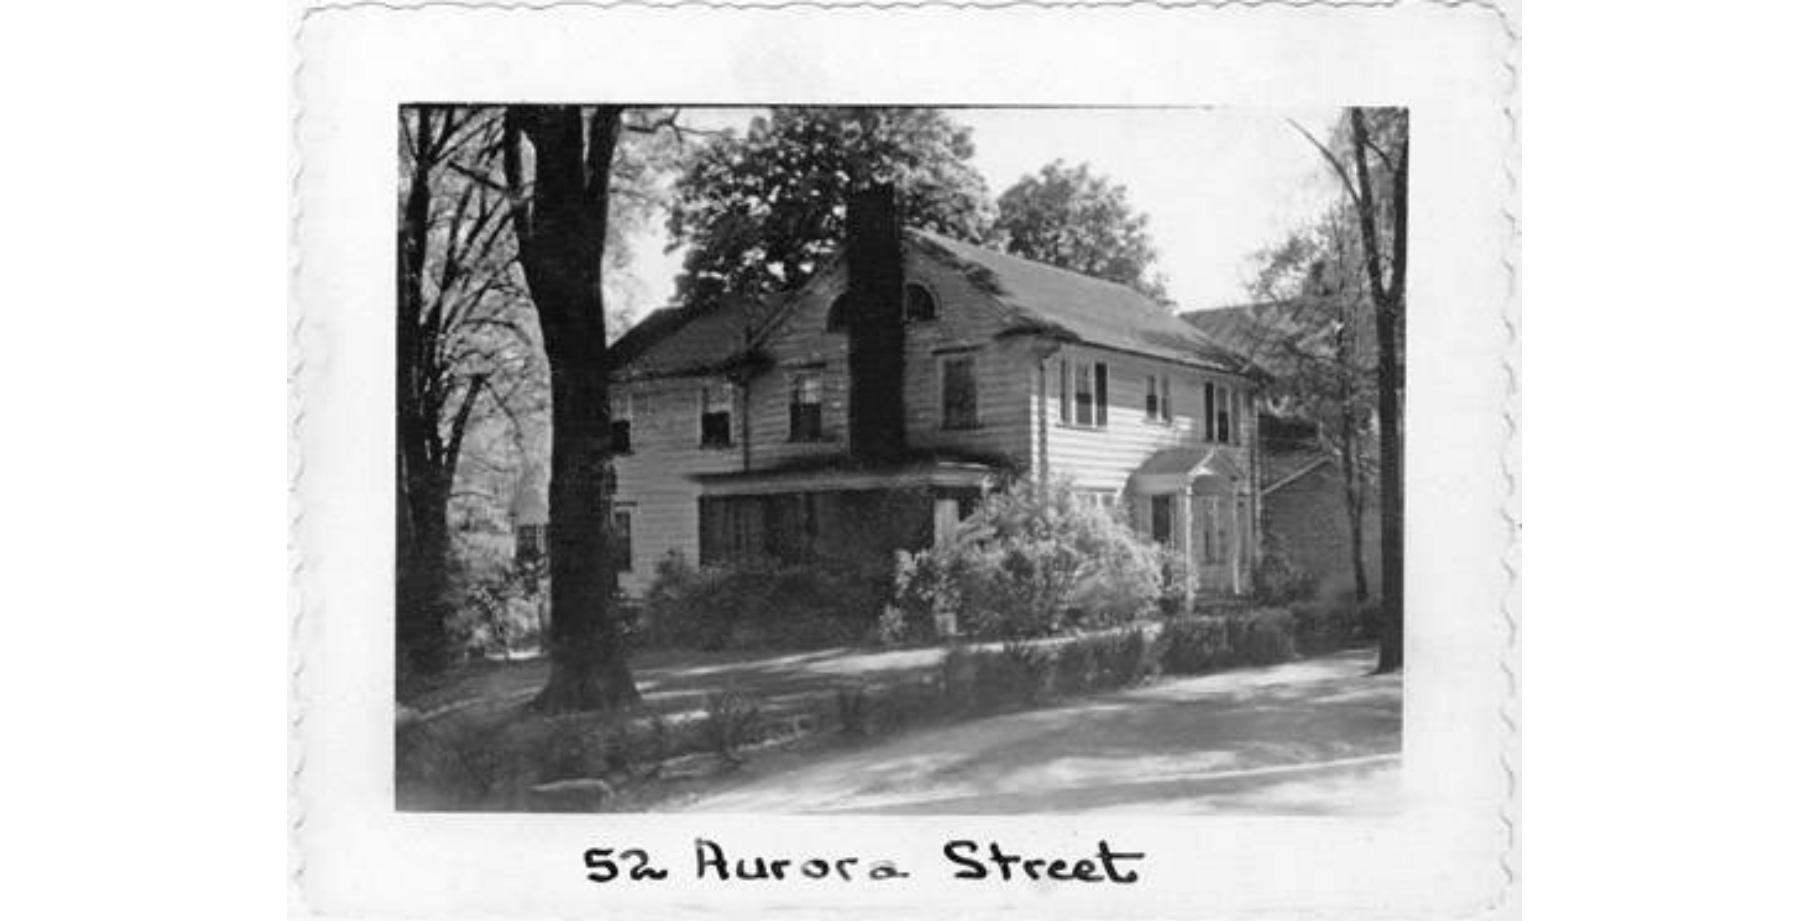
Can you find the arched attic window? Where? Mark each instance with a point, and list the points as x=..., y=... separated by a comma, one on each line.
x=838, y=309
x=919, y=303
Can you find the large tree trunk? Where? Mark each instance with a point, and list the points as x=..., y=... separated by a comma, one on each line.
x=421, y=539
x=1390, y=301
x=561, y=216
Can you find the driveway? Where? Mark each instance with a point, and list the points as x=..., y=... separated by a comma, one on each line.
x=1319, y=737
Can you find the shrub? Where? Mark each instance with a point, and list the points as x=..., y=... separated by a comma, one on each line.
x=496, y=604
x=1325, y=626
x=730, y=721
x=957, y=677
x=1262, y=637
x=1123, y=657
x=1077, y=667
x=1029, y=562
x=1279, y=579
x=851, y=710
x=1194, y=646
x=762, y=603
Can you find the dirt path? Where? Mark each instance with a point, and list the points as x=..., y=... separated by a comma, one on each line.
x=1314, y=737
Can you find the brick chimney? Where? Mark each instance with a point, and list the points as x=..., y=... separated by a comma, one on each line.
x=875, y=323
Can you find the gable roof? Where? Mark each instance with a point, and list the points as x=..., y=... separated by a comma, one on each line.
x=1043, y=299
x=1038, y=299
x=677, y=341
x=1277, y=335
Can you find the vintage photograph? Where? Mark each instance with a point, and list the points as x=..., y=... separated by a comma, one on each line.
x=899, y=460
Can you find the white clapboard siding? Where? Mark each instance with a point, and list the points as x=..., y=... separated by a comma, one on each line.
x=1104, y=458
x=655, y=483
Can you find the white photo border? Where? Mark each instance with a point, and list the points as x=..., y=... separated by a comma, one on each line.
x=1452, y=852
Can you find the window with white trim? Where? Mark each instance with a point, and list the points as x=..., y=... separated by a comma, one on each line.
x=716, y=422
x=1091, y=397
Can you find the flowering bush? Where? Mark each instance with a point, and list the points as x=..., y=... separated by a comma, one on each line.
x=1028, y=562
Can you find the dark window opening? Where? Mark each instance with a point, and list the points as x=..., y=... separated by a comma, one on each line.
x=1152, y=400
x=718, y=417
x=960, y=393
x=621, y=436
x=1161, y=518
x=838, y=309
x=806, y=406
x=1104, y=399
x=621, y=540
x=919, y=303
x=1211, y=408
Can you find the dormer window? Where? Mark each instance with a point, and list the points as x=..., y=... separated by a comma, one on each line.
x=919, y=304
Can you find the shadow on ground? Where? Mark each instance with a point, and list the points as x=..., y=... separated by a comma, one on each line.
x=1319, y=737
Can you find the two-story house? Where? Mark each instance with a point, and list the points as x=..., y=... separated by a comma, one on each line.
x=867, y=411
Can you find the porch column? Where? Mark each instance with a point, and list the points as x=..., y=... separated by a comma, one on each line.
x=1184, y=521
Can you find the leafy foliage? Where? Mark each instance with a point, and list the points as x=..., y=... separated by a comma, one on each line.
x=1071, y=217
x=1030, y=562
x=1279, y=579
x=761, y=212
x=761, y=603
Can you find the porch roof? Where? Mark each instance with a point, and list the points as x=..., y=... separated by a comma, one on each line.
x=1172, y=469
x=846, y=475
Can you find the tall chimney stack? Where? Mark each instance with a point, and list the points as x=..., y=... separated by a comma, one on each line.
x=875, y=325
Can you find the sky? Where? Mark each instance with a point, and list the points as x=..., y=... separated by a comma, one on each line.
x=1218, y=185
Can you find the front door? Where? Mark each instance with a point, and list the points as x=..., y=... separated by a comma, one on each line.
x=1161, y=518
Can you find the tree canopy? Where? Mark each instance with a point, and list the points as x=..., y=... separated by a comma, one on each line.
x=760, y=212
x=1071, y=217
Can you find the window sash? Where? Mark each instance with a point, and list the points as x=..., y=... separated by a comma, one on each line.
x=1083, y=396
x=1211, y=411
x=960, y=393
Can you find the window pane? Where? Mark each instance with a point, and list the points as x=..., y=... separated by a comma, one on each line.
x=1066, y=401
x=1211, y=408
x=1152, y=400
x=1101, y=398
x=621, y=439
x=960, y=404
x=1083, y=394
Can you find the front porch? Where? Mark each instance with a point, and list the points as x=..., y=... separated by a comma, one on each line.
x=1198, y=501
x=836, y=515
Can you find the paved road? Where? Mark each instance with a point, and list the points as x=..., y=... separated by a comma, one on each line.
x=1320, y=737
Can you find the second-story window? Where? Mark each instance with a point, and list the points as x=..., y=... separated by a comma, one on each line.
x=806, y=406
x=960, y=392
x=621, y=423
x=1158, y=404
x=1090, y=394
x=717, y=423
x=1220, y=418
x=1236, y=417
